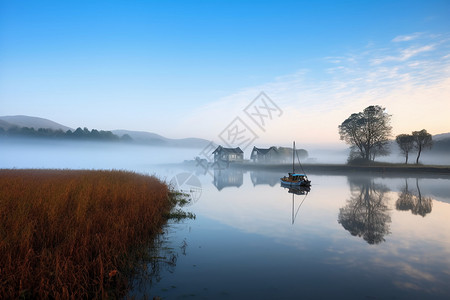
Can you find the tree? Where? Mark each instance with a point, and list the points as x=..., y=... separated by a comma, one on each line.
x=285, y=154
x=422, y=140
x=78, y=133
x=406, y=144
x=367, y=132
x=302, y=153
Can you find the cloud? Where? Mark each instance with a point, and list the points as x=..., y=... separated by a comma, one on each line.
x=412, y=82
x=406, y=38
x=404, y=55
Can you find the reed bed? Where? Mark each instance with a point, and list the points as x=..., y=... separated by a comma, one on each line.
x=68, y=234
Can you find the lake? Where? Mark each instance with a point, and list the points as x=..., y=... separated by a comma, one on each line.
x=352, y=237
x=349, y=237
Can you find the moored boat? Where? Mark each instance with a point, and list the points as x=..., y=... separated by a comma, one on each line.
x=295, y=179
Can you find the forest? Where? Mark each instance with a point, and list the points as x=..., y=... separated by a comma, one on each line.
x=78, y=134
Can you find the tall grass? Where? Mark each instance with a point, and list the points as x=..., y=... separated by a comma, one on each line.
x=69, y=234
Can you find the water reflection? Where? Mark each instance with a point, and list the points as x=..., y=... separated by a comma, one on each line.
x=418, y=204
x=161, y=258
x=297, y=190
x=253, y=226
x=228, y=177
x=366, y=214
x=264, y=178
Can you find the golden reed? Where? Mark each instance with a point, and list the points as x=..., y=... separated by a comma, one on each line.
x=67, y=234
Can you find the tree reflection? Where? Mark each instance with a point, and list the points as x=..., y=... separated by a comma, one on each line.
x=408, y=200
x=366, y=215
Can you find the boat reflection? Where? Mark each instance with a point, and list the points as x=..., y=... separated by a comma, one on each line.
x=296, y=190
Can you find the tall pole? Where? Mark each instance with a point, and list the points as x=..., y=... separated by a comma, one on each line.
x=293, y=159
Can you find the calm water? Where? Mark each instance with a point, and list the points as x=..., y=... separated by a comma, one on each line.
x=350, y=237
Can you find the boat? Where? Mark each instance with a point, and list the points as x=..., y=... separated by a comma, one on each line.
x=295, y=179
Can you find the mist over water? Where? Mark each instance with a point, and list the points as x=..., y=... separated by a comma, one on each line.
x=340, y=156
x=63, y=154
x=23, y=153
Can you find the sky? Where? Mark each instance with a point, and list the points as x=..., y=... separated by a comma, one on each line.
x=265, y=72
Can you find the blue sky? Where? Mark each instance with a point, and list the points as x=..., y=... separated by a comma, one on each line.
x=189, y=68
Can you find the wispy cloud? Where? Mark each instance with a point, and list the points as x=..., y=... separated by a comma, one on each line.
x=406, y=38
x=404, y=54
x=411, y=81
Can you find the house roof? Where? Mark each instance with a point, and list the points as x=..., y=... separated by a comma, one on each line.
x=228, y=150
x=263, y=150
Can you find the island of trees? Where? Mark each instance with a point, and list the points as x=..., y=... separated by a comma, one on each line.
x=368, y=133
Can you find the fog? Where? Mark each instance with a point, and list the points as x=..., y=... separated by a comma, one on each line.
x=339, y=156
x=427, y=157
x=35, y=153
x=88, y=155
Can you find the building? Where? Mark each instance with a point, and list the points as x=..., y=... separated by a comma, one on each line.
x=261, y=155
x=227, y=155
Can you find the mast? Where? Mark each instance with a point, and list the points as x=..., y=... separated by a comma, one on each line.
x=293, y=159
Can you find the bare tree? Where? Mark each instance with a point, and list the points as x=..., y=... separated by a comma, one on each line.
x=422, y=140
x=406, y=144
x=368, y=132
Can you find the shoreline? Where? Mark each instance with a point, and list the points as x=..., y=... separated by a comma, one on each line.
x=377, y=169
x=341, y=169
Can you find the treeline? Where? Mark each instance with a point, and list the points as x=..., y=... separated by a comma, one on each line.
x=369, y=135
x=418, y=141
x=285, y=153
x=78, y=134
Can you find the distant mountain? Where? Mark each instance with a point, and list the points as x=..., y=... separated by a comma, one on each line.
x=151, y=138
x=441, y=145
x=5, y=125
x=148, y=138
x=442, y=136
x=31, y=122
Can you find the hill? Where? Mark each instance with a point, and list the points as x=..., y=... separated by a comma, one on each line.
x=142, y=137
x=441, y=145
x=151, y=138
x=442, y=136
x=31, y=122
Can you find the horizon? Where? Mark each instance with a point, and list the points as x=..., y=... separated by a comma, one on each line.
x=197, y=70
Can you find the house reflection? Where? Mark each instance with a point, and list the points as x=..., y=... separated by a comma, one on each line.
x=366, y=214
x=418, y=204
x=264, y=178
x=228, y=177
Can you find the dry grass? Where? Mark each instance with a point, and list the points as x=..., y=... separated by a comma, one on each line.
x=68, y=234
